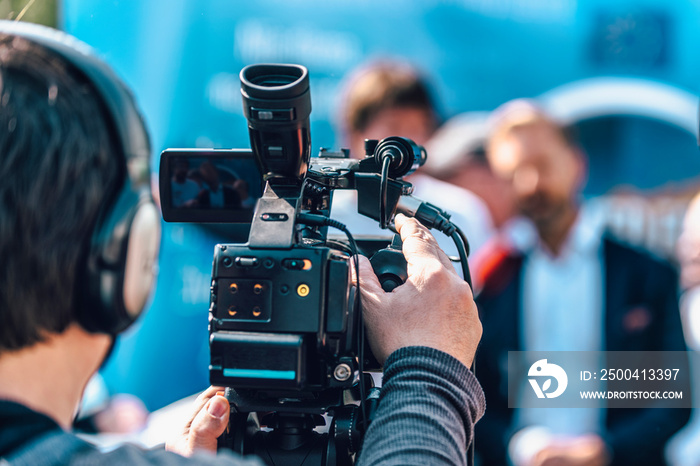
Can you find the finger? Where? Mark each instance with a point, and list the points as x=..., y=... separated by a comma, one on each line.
x=418, y=243
x=209, y=424
x=415, y=236
x=369, y=283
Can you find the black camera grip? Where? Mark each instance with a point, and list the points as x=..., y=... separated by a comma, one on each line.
x=390, y=265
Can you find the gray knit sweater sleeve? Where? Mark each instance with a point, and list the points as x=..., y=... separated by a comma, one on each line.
x=428, y=406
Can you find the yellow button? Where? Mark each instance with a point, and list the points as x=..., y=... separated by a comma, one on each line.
x=303, y=290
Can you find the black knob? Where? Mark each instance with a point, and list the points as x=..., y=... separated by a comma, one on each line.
x=390, y=265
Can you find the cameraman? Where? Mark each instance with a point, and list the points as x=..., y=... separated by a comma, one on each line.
x=62, y=166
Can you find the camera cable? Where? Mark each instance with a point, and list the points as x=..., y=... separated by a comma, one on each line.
x=383, y=187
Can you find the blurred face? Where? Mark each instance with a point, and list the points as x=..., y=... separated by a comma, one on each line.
x=543, y=170
x=414, y=123
x=209, y=173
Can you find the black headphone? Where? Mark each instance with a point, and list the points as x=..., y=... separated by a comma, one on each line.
x=119, y=268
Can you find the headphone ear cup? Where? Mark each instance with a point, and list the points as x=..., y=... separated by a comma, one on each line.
x=120, y=267
x=141, y=259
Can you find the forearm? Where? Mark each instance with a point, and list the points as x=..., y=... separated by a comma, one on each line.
x=427, y=409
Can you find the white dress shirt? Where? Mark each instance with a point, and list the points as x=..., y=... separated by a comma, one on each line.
x=562, y=310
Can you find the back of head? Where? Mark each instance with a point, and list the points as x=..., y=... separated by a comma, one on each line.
x=63, y=170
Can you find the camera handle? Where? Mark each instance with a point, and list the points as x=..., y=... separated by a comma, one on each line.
x=389, y=265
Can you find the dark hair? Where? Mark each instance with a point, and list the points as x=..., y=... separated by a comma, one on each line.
x=380, y=86
x=57, y=165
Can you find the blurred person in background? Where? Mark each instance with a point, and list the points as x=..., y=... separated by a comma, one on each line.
x=387, y=98
x=183, y=188
x=684, y=448
x=390, y=98
x=562, y=284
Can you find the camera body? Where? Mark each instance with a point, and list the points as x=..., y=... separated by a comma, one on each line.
x=286, y=335
x=282, y=319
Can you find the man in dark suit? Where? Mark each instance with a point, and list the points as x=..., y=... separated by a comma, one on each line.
x=562, y=284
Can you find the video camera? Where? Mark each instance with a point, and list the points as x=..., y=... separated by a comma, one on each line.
x=285, y=320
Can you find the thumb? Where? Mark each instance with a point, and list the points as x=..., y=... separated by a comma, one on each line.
x=209, y=424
